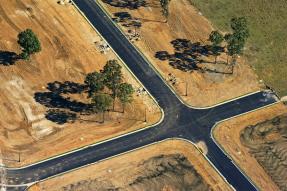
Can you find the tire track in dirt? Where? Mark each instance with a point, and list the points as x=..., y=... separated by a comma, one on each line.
x=4, y=15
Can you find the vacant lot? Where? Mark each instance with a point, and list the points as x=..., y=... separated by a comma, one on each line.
x=168, y=46
x=257, y=143
x=267, y=47
x=36, y=120
x=171, y=165
x=267, y=143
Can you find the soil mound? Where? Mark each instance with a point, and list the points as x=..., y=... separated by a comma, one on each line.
x=163, y=173
x=267, y=142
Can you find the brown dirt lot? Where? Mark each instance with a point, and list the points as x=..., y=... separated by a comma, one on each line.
x=185, y=22
x=257, y=144
x=68, y=53
x=170, y=165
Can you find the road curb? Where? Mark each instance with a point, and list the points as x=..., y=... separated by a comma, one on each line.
x=157, y=71
x=106, y=140
x=137, y=149
x=222, y=148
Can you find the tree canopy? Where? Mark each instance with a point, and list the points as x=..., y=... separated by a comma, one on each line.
x=236, y=41
x=113, y=76
x=29, y=42
x=240, y=29
x=101, y=102
x=110, y=77
x=95, y=82
x=125, y=92
x=216, y=38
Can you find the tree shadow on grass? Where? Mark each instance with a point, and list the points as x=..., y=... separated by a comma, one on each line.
x=8, y=58
x=62, y=109
x=129, y=4
x=187, y=55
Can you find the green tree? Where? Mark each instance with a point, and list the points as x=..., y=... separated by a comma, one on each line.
x=95, y=82
x=113, y=77
x=101, y=102
x=236, y=41
x=29, y=42
x=124, y=94
x=234, y=47
x=216, y=38
x=240, y=29
x=165, y=8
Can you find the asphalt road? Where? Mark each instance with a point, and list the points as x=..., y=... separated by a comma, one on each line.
x=179, y=121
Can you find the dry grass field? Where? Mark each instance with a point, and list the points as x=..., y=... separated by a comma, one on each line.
x=266, y=50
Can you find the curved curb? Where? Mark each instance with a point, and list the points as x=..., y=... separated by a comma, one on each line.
x=159, y=74
x=109, y=139
x=137, y=149
x=222, y=148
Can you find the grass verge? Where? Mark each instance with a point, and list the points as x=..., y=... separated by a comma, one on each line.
x=266, y=50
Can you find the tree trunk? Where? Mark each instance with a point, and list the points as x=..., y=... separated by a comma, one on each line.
x=124, y=106
x=103, y=117
x=215, y=60
x=227, y=59
x=234, y=59
x=114, y=104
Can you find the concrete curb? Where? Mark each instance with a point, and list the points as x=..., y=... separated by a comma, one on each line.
x=175, y=138
x=106, y=140
x=136, y=149
x=157, y=71
x=222, y=148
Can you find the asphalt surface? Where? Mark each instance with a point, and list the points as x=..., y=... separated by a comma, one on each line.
x=180, y=121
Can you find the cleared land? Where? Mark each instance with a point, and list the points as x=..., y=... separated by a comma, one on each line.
x=170, y=165
x=40, y=102
x=267, y=47
x=166, y=45
x=257, y=143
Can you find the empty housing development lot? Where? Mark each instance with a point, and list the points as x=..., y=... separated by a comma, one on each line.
x=33, y=92
x=257, y=143
x=169, y=165
x=184, y=24
x=144, y=159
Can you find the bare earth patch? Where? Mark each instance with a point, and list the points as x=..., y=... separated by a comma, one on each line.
x=36, y=121
x=185, y=22
x=170, y=165
x=257, y=143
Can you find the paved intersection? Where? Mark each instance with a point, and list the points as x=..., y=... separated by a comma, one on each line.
x=180, y=121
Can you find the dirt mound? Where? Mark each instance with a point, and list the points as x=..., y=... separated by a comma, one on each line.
x=267, y=142
x=164, y=173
